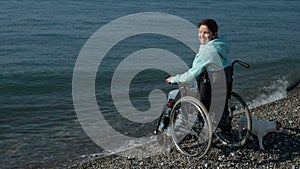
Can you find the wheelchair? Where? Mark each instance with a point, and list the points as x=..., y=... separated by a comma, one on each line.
x=192, y=117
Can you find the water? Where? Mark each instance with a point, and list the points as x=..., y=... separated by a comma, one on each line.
x=41, y=40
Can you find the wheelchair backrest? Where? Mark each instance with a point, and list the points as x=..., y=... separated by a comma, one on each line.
x=217, y=77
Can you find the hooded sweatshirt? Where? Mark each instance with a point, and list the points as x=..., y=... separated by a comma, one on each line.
x=215, y=51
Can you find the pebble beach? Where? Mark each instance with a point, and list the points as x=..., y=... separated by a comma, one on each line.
x=282, y=150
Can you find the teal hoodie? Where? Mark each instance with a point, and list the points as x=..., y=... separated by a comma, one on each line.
x=215, y=51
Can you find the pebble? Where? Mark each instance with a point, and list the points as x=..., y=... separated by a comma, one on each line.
x=281, y=149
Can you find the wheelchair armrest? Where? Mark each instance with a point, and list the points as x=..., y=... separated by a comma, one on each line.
x=184, y=85
x=217, y=67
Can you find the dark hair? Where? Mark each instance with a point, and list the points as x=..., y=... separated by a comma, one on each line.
x=211, y=24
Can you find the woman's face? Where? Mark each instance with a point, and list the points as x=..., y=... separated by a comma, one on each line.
x=205, y=35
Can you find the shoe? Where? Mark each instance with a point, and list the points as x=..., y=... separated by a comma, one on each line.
x=161, y=126
x=167, y=131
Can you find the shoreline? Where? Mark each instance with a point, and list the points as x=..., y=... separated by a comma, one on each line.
x=294, y=87
x=281, y=149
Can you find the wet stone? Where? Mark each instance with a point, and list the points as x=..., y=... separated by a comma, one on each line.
x=281, y=149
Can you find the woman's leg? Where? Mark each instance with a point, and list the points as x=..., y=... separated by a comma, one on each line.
x=173, y=95
x=165, y=120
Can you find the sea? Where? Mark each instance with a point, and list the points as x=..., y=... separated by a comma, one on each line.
x=41, y=43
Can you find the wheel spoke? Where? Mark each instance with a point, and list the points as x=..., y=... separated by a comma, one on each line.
x=194, y=134
x=236, y=136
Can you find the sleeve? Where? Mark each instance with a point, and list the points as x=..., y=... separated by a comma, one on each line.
x=191, y=75
x=205, y=56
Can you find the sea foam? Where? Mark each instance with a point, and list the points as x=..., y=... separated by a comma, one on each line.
x=267, y=94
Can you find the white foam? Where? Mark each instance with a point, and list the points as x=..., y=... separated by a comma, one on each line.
x=275, y=91
x=134, y=143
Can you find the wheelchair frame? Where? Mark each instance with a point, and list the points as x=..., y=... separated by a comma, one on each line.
x=193, y=135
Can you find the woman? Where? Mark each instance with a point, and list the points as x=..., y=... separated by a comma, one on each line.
x=213, y=49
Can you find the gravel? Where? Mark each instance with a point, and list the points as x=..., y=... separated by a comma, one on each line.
x=282, y=150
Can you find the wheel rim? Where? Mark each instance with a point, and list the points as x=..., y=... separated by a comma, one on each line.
x=194, y=134
x=235, y=138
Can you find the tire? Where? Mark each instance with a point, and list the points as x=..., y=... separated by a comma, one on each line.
x=191, y=127
x=237, y=108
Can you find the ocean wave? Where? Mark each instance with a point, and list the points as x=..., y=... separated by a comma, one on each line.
x=270, y=93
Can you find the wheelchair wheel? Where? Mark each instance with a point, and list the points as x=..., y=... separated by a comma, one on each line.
x=191, y=127
x=237, y=108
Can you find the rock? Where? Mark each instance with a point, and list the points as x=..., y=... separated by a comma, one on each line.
x=282, y=149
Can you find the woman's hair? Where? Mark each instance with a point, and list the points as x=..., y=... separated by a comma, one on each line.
x=211, y=24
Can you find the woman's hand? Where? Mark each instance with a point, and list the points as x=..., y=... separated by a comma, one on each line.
x=168, y=80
